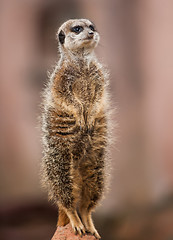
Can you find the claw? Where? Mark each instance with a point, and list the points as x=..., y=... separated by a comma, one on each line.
x=96, y=235
x=79, y=230
x=83, y=232
x=75, y=230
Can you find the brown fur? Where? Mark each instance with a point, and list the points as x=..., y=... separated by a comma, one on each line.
x=74, y=124
x=63, y=219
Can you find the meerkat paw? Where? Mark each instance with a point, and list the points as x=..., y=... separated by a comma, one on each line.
x=93, y=231
x=78, y=229
x=96, y=234
x=89, y=225
x=76, y=223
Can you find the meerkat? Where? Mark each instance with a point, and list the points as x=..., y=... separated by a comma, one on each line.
x=75, y=127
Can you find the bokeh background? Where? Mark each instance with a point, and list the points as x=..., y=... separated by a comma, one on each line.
x=137, y=46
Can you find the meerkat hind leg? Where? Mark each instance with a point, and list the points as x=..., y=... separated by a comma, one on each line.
x=88, y=222
x=75, y=221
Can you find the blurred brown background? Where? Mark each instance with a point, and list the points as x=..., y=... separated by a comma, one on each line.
x=137, y=46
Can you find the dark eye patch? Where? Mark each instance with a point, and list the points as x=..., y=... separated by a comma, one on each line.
x=77, y=29
x=92, y=28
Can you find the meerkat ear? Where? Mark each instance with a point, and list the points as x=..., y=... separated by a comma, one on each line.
x=61, y=37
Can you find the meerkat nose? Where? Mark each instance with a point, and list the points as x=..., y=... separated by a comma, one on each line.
x=90, y=34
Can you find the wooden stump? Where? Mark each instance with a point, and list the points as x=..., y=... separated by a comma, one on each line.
x=67, y=233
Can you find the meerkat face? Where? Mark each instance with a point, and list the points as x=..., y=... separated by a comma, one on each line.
x=78, y=34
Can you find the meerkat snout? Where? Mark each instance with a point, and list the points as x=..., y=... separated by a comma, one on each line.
x=90, y=35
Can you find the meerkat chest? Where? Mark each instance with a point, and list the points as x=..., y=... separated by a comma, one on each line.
x=88, y=85
x=84, y=89
x=82, y=85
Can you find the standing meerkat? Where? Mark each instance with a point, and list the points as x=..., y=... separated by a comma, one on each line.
x=74, y=126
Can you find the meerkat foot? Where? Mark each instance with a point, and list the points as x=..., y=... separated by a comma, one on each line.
x=93, y=231
x=89, y=225
x=76, y=223
x=96, y=235
x=78, y=228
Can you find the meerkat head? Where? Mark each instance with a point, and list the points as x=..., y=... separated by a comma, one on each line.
x=78, y=34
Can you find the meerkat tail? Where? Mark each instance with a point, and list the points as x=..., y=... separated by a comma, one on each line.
x=63, y=219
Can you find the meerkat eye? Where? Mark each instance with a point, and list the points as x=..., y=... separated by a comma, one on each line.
x=92, y=28
x=77, y=29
